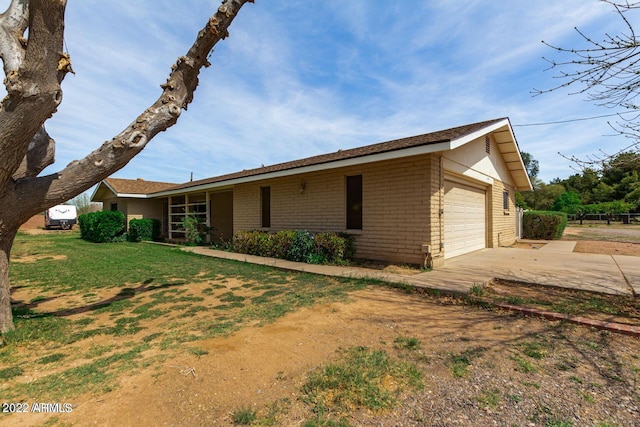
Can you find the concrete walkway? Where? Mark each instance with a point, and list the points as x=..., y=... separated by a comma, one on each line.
x=554, y=264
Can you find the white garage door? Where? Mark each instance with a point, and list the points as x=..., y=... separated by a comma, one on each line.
x=464, y=219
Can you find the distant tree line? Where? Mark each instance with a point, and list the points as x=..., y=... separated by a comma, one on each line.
x=612, y=189
x=84, y=204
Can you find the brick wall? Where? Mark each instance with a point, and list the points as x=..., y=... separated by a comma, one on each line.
x=502, y=222
x=396, y=197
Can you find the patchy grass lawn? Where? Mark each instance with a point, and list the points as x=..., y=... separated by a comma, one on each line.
x=144, y=299
x=129, y=334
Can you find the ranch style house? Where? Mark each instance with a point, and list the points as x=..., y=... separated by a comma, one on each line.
x=413, y=200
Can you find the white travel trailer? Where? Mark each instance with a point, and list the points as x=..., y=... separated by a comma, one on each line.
x=60, y=216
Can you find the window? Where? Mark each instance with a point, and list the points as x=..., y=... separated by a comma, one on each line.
x=505, y=200
x=354, y=202
x=265, y=206
x=114, y=206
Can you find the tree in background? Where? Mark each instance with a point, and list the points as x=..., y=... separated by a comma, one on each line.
x=582, y=183
x=543, y=196
x=614, y=187
x=84, y=205
x=35, y=63
x=608, y=71
x=613, y=190
x=565, y=201
x=621, y=173
x=531, y=165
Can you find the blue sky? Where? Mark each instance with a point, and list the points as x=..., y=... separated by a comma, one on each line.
x=300, y=78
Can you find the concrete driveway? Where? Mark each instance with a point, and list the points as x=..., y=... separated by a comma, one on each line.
x=553, y=264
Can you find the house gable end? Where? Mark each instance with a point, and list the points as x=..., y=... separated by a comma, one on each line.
x=102, y=192
x=503, y=161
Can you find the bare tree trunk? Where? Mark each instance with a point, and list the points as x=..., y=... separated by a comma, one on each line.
x=6, y=241
x=34, y=71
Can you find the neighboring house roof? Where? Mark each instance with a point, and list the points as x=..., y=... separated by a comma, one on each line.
x=135, y=188
x=443, y=140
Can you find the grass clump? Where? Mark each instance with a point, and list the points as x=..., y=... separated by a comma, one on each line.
x=477, y=290
x=244, y=416
x=534, y=349
x=360, y=378
x=489, y=398
x=407, y=343
x=523, y=365
x=197, y=351
x=459, y=363
x=11, y=372
x=51, y=358
x=323, y=422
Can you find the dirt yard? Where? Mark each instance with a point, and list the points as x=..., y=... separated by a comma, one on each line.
x=480, y=367
x=35, y=225
x=615, y=239
x=575, y=375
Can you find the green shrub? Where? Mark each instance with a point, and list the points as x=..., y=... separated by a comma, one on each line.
x=240, y=242
x=302, y=246
x=280, y=243
x=143, y=229
x=546, y=225
x=195, y=229
x=102, y=227
x=251, y=242
x=335, y=247
x=296, y=245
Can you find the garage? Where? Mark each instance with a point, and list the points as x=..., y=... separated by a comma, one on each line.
x=464, y=218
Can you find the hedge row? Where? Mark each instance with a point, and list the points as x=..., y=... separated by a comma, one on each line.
x=108, y=226
x=547, y=225
x=296, y=245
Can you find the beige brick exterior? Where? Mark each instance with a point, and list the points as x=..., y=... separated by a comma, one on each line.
x=396, y=197
x=502, y=228
x=402, y=204
x=403, y=186
x=402, y=208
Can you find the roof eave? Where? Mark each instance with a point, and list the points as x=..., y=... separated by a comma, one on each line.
x=406, y=152
x=116, y=194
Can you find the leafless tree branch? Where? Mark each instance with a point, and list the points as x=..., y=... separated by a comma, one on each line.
x=608, y=72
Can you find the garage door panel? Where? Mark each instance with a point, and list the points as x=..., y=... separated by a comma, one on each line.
x=464, y=219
